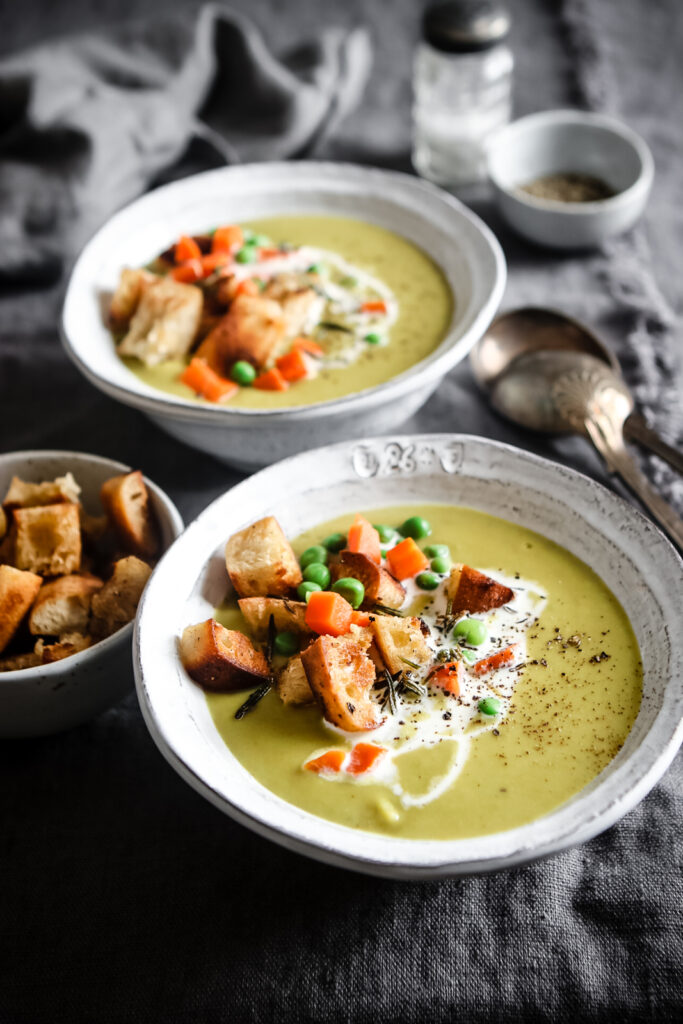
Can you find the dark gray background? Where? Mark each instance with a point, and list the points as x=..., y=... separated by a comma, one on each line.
x=125, y=897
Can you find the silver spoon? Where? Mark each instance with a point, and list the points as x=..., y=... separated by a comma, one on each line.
x=570, y=392
x=532, y=329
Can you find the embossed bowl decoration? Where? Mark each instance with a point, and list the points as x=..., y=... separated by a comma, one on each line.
x=455, y=238
x=623, y=547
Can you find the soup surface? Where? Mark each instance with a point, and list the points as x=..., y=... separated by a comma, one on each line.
x=571, y=707
x=424, y=309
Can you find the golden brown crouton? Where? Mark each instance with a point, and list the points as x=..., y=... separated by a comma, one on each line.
x=288, y=615
x=47, y=539
x=93, y=528
x=126, y=502
x=221, y=659
x=17, y=662
x=260, y=560
x=380, y=586
x=401, y=638
x=165, y=322
x=301, y=311
x=471, y=591
x=18, y=590
x=24, y=494
x=116, y=602
x=125, y=299
x=252, y=329
x=3, y=522
x=292, y=684
x=69, y=643
x=341, y=675
x=63, y=605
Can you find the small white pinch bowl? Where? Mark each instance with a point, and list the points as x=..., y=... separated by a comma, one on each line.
x=457, y=240
x=50, y=698
x=562, y=141
x=628, y=552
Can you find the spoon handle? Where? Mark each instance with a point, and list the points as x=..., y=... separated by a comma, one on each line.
x=636, y=429
x=611, y=447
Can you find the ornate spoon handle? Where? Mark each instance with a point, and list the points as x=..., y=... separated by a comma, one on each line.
x=636, y=429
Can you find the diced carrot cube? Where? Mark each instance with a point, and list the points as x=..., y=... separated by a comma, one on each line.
x=448, y=677
x=188, y=272
x=374, y=306
x=494, y=661
x=308, y=345
x=363, y=757
x=360, y=619
x=327, y=612
x=363, y=539
x=330, y=761
x=271, y=380
x=227, y=238
x=247, y=287
x=213, y=261
x=186, y=249
x=269, y=253
x=406, y=559
x=293, y=366
x=206, y=382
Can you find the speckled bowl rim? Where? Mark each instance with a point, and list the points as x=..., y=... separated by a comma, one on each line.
x=615, y=791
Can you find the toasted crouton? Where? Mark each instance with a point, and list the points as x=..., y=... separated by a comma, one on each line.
x=288, y=615
x=401, y=638
x=3, y=522
x=69, y=643
x=221, y=659
x=116, y=602
x=126, y=502
x=125, y=299
x=301, y=310
x=165, y=322
x=18, y=590
x=253, y=329
x=63, y=605
x=380, y=586
x=471, y=591
x=292, y=684
x=47, y=539
x=260, y=560
x=24, y=494
x=341, y=675
x=17, y=662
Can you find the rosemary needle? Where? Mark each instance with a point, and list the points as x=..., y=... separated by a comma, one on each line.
x=253, y=698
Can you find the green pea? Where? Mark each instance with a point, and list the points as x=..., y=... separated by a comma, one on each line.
x=286, y=643
x=441, y=565
x=490, y=706
x=470, y=656
x=335, y=542
x=304, y=590
x=317, y=553
x=426, y=581
x=437, y=551
x=373, y=338
x=351, y=589
x=386, y=533
x=471, y=631
x=415, y=527
x=315, y=268
x=316, y=572
x=247, y=254
x=259, y=240
x=384, y=552
x=243, y=373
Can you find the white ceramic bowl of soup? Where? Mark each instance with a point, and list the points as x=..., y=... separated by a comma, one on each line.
x=49, y=698
x=457, y=240
x=630, y=555
x=570, y=141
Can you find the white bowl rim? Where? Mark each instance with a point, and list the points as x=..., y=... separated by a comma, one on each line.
x=24, y=675
x=568, y=116
x=434, y=366
x=429, y=859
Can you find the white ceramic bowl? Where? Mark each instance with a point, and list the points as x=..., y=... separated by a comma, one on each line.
x=46, y=699
x=628, y=552
x=559, y=141
x=462, y=245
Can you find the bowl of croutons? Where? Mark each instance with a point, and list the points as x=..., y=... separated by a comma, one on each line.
x=79, y=537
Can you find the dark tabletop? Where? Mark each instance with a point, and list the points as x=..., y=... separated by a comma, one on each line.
x=126, y=897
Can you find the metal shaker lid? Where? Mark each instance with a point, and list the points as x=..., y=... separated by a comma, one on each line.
x=465, y=26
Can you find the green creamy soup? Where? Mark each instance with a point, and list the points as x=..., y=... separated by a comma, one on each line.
x=572, y=708
x=425, y=310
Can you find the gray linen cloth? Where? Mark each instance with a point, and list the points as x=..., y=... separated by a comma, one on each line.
x=123, y=895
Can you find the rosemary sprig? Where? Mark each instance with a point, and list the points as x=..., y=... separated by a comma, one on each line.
x=329, y=325
x=413, y=687
x=406, y=661
x=270, y=644
x=385, y=610
x=254, y=697
x=391, y=691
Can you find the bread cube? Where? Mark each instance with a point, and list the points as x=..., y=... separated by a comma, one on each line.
x=292, y=684
x=116, y=602
x=469, y=590
x=18, y=662
x=399, y=638
x=126, y=502
x=221, y=659
x=380, y=586
x=288, y=615
x=4, y=524
x=18, y=590
x=126, y=298
x=24, y=494
x=63, y=605
x=341, y=676
x=47, y=539
x=253, y=329
x=260, y=560
x=165, y=322
x=69, y=643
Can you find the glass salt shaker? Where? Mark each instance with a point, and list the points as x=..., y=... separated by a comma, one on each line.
x=462, y=85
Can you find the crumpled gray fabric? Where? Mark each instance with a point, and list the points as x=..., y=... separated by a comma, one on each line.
x=88, y=123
